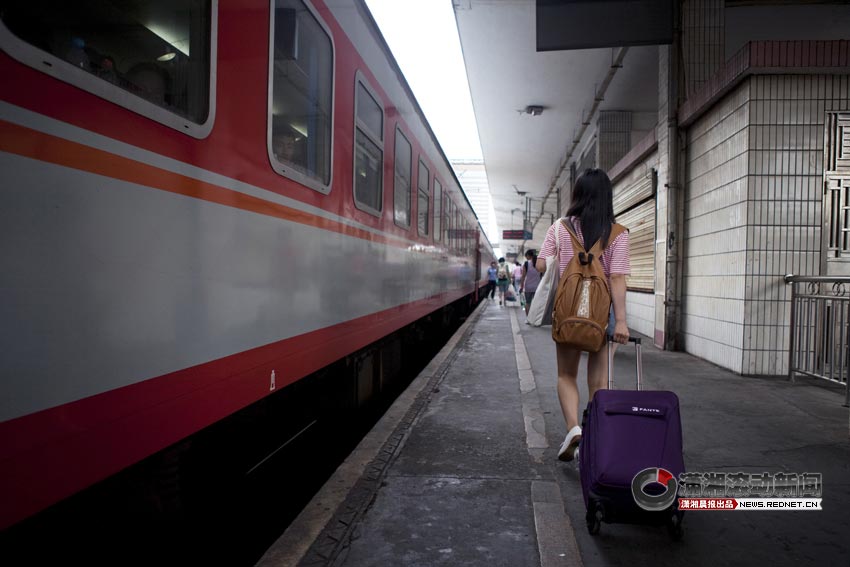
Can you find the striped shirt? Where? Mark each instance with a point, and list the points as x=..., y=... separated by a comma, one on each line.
x=615, y=259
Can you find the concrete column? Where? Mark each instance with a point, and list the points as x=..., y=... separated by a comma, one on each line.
x=661, y=196
x=669, y=199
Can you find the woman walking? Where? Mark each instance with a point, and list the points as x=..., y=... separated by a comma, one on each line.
x=503, y=273
x=530, y=279
x=516, y=273
x=591, y=216
x=491, y=280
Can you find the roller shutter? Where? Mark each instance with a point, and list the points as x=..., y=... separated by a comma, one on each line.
x=632, y=195
x=634, y=208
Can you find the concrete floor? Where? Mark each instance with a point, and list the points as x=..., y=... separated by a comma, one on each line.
x=470, y=477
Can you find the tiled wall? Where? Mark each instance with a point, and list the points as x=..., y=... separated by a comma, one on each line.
x=787, y=117
x=715, y=239
x=703, y=41
x=753, y=214
x=640, y=312
x=614, y=136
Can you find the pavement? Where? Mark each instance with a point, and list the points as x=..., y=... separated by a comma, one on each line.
x=463, y=470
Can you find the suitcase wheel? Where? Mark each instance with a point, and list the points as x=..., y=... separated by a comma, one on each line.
x=674, y=527
x=594, y=518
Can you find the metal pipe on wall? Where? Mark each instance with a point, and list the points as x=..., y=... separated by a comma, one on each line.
x=675, y=197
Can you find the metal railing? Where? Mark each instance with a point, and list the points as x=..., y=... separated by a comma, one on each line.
x=820, y=328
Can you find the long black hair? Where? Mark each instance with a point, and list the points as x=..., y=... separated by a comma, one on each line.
x=592, y=203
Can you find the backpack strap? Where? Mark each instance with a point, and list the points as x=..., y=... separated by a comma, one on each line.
x=568, y=224
x=616, y=231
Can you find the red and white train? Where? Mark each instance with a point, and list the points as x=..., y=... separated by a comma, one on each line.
x=204, y=201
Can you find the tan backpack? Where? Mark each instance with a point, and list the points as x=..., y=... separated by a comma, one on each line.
x=583, y=299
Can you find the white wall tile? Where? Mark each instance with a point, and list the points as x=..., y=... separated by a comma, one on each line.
x=640, y=312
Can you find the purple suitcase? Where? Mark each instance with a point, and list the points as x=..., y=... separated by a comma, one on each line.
x=625, y=433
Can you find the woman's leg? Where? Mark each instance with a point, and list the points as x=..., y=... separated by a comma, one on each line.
x=597, y=371
x=568, y=359
x=529, y=297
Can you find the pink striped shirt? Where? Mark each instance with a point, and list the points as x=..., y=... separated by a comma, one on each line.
x=615, y=259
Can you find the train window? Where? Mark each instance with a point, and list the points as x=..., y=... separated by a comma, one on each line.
x=154, y=57
x=455, y=226
x=301, y=66
x=450, y=223
x=458, y=225
x=463, y=236
x=424, y=208
x=446, y=218
x=401, y=185
x=368, y=150
x=370, y=114
x=438, y=209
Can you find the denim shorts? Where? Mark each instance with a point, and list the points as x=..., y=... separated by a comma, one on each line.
x=611, y=322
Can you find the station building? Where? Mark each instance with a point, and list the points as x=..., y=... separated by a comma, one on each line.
x=729, y=149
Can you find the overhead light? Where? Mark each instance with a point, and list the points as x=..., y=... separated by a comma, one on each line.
x=167, y=56
x=534, y=109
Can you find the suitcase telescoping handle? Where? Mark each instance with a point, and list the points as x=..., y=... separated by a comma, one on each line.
x=635, y=340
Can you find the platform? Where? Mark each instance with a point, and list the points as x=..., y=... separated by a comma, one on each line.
x=463, y=471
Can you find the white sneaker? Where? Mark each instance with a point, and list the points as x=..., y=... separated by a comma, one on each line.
x=570, y=444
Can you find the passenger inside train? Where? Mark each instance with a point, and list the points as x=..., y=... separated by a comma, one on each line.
x=149, y=81
x=135, y=47
x=288, y=147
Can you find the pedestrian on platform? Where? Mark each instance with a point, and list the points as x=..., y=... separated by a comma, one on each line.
x=503, y=279
x=517, y=275
x=591, y=215
x=530, y=278
x=491, y=280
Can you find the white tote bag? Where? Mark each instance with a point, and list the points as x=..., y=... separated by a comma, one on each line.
x=544, y=298
x=512, y=296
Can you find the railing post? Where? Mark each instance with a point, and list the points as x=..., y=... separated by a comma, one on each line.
x=792, y=329
x=815, y=347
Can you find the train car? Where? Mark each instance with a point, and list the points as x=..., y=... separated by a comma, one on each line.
x=204, y=202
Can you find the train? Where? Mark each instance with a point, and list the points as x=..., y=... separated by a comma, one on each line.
x=205, y=203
